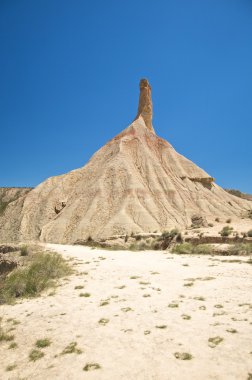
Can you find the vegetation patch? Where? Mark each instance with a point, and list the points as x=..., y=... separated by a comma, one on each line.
x=10, y=367
x=189, y=284
x=202, y=307
x=199, y=298
x=188, y=248
x=144, y=283
x=24, y=250
x=104, y=303
x=186, y=317
x=241, y=249
x=183, y=356
x=84, y=295
x=226, y=231
x=126, y=309
x=12, y=346
x=184, y=248
x=213, y=342
x=40, y=273
x=41, y=343
x=4, y=336
x=91, y=367
x=233, y=248
x=173, y=305
x=103, y=321
x=36, y=355
x=232, y=331
x=71, y=349
x=120, y=287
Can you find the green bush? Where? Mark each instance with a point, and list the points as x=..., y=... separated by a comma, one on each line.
x=226, y=231
x=138, y=237
x=184, y=248
x=4, y=335
x=241, y=249
x=3, y=206
x=29, y=281
x=203, y=249
x=188, y=248
x=24, y=250
x=179, y=238
x=249, y=233
x=170, y=234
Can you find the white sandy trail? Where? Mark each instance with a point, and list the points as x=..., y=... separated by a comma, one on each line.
x=131, y=346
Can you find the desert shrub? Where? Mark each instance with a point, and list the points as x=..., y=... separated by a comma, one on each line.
x=226, y=231
x=155, y=245
x=41, y=343
x=138, y=237
x=217, y=219
x=188, y=248
x=36, y=355
x=4, y=335
x=249, y=233
x=3, y=206
x=179, y=238
x=29, y=281
x=143, y=246
x=241, y=249
x=210, y=225
x=133, y=247
x=24, y=250
x=203, y=249
x=184, y=248
x=229, y=220
x=170, y=234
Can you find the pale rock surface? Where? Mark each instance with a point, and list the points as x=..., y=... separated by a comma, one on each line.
x=136, y=183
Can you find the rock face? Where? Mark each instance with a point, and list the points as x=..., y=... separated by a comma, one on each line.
x=145, y=104
x=10, y=194
x=135, y=183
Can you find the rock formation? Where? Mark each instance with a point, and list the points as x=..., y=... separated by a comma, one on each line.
x=135, y=183
x=145, y=104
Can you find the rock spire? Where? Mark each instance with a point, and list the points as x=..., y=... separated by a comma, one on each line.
x=145, y=103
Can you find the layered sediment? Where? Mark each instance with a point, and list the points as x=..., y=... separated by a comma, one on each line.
x=136, y=183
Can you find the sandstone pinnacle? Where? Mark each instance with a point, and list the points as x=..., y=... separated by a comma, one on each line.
x=136, y=183
x=145, y=104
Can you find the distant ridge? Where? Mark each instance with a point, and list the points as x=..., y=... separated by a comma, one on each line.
x=239, y=194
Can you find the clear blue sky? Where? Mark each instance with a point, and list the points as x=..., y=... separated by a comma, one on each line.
x=69, y=73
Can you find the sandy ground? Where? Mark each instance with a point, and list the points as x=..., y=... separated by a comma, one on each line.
x=149, y=309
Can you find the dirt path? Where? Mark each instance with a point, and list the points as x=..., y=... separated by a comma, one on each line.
x=136, y=311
